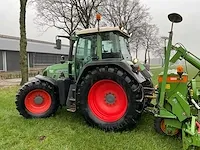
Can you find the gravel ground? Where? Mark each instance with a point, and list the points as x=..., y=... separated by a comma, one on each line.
x=10, y=82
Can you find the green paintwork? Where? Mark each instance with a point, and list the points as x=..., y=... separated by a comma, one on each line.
x=173, y=123
x=173, y=97
x=188, y=56
x=163, y=84
x=190, y=135
x=195, y=91
x=141, y=66
x=99, y=47
x=175, y=101
x=180, y=106
x=178, y=86
x=163, y=113
x=190, y=140
x=55, y=70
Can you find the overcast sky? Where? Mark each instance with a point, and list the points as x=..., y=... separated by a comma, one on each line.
x=186, y=32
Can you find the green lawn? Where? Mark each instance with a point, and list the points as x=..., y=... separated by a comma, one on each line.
x=68, y=131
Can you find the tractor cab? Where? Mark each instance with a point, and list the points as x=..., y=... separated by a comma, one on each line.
x=92, y=45
x=107, y=43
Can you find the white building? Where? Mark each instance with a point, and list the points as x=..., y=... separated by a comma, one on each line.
x=40, y=53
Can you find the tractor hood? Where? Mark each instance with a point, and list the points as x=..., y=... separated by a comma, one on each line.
x=55, y=70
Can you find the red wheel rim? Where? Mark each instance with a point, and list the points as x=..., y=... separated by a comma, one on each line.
x=42, y=104
x=107, y=100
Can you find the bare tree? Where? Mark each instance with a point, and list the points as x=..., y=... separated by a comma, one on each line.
x=136, y=40
x=160, y=51
x=151, y=42
x=23, y=42
x=131, y=15
x=160, y=54
x=67, y=15
x=86, y=10
x=60, y=14
x=128, y=14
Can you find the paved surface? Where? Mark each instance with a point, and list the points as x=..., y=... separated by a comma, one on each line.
x=10, y=82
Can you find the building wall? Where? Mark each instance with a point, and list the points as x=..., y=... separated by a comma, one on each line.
x=40, y=53
x=42, y=59
x=10, y=43
x=12, y=59
x=1, y=60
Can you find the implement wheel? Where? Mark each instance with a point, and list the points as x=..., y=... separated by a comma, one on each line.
x=36, y=99
x=110, y=99
x=160, y=127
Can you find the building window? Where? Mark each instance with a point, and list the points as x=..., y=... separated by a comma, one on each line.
x=41, y=59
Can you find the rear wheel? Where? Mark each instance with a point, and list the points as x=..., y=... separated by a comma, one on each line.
x=107, y=100
x=110, y=99
x=148, y=84
x=36, y=99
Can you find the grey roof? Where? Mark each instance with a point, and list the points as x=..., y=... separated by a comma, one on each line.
x=11, y=43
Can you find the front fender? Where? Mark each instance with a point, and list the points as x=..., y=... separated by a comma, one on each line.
x=47, y=79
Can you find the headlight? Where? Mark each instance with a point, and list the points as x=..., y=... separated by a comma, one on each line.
x=135, y=60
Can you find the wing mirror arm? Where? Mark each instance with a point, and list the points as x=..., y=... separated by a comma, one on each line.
x=59, y=42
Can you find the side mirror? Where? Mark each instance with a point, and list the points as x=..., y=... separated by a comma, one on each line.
x=58, y=44
x=62, y=60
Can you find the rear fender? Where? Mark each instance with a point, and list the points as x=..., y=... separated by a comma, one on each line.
x=120, y=64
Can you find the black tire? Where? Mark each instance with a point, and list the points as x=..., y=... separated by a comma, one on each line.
x=148, y=83
x=133, y=90
x=159, y=129
x=157, y=126
x=36, y=85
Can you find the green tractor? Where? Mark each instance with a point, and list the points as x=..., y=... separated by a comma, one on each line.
x=177, y=110
x=101, y=81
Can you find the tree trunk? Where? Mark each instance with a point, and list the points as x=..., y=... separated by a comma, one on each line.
x=136, y=53
x=71, y=48
x=162, y=61
x=23, y=43
x=145, y=56
x=149, y=59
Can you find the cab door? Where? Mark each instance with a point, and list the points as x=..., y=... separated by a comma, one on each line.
x=85, y=51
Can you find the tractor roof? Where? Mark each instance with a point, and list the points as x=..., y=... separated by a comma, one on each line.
x=102, y=29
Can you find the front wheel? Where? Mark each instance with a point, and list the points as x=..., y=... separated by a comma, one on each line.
x=110, y=99
x=36, y=99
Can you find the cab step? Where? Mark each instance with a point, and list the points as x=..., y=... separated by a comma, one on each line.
x=72, y=109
